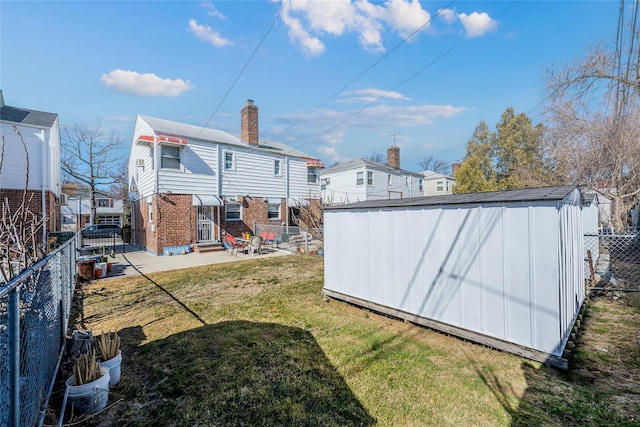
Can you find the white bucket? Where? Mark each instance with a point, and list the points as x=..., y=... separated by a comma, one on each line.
x=89, y=398
x=113, y=365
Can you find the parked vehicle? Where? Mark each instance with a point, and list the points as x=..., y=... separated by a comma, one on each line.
x=101, y=230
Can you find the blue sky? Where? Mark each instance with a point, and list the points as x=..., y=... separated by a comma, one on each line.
x=336, y=79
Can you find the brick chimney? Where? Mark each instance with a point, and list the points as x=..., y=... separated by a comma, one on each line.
x=393, y=157
x=454, y=168
x=249, y=123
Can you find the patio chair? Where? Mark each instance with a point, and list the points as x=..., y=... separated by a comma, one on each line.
x=255, y=245
x=270, y=239
x=234, y=244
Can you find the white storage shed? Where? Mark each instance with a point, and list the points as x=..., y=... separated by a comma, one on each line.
x=503, y=269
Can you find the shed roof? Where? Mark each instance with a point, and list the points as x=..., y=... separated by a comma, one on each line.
x=27, y=117
x=218, y=136
x=556, y=193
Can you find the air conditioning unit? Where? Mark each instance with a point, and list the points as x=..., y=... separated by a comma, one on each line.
x=140, y=163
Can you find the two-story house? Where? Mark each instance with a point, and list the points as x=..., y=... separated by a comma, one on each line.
x=361, y=179
x=437, y=184
x=76, y=208
x=190, y=184
x=31, y=160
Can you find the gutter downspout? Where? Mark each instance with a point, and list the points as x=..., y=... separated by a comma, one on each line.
x=287, y=191
x=45, y=168
x=219, y=190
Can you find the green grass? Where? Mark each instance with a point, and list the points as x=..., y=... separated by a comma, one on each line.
x=253, y=343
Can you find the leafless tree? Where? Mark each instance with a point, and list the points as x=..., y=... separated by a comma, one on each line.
x=376, y=157
x=432, y=164
x=19, y=228
x=90, y=158
x=594, y=115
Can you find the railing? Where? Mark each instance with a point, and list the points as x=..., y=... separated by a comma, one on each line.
x=34, y=313
x=294, y=239
x=615, y=261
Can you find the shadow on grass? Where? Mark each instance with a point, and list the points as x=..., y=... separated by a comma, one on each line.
x=235, y=373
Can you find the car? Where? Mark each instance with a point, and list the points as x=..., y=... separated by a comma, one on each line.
x=102, y=230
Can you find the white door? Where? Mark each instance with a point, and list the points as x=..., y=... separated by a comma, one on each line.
x=205, y=224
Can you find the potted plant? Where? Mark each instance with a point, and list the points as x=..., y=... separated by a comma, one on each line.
x=88, y=387
x=110, y=355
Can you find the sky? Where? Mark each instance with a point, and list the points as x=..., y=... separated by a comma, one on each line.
x=337, y=79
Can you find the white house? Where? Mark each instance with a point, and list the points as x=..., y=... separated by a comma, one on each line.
x=362, y=179
x=501, y=268
x=437, y=184
x=76, y=208
x=189, y=184
x=40, y=132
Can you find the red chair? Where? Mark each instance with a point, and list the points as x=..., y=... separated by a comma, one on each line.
x=234, y=244
x=270, y=239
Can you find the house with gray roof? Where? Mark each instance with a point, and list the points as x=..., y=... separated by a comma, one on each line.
x=189, y=184
x=31, y=161
x=362, y=179
x=437, y=184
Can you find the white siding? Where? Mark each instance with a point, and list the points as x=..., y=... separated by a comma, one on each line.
x=343, y=187
x=14, y=164
x=511, y=271
x=142, y=177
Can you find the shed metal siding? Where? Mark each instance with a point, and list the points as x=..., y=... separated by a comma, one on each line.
x=510, y=270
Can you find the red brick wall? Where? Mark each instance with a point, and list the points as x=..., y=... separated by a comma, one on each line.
x=34, y=203
x=253, y=211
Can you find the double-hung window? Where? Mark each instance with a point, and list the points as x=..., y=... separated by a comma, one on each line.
x=276, y=168
x=369, y=177
x=420, y=184
x=273, y=211
x=170, y=157
x=229, y=163
x=440, y=186
x=312, y=174
x=232, y=211
x=359, y=178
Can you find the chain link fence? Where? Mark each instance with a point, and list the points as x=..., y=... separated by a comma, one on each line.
x=615, y=261
x=34, y=314
x=293, y=239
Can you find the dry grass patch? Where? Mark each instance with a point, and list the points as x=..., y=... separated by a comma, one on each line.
x=253, y=343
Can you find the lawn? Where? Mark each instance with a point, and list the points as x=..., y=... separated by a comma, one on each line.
x=254, y=343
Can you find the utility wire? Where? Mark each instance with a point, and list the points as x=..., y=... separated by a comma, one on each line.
x=284, y=4
x=412, y=76
x=365, y=71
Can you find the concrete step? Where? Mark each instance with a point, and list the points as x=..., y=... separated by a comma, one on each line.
x=208, y=247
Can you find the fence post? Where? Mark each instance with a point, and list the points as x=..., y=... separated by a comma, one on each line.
x=14, y=355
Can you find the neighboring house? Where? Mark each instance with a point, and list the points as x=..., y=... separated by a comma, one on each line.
x=190, y=184
x=76, y=208
x=41, y=134
x=361, y=179
x=437, y=184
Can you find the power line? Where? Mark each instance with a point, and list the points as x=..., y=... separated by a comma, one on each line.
x=284, y=4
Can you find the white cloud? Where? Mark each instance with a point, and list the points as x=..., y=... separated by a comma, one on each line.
x=405, y=17
x=146, y=84
x=447, y=15
x=206, y=33
x=370, y=95
x=330, y=152
x=211, y=9
x=311, y=46
x=477, y=24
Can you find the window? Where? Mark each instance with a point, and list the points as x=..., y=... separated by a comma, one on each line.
x=406, y=181
x=170, y=158
x=104, y=203
x=440, y=186
x=312, y=175
x=276, y=167
x=420, y=184
x=150, y=212
x=369, y=177
x=359, y=178
x=273, y=211
x=389, y=179
x=228, y=161
x=324, y=182
x=232, y=211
